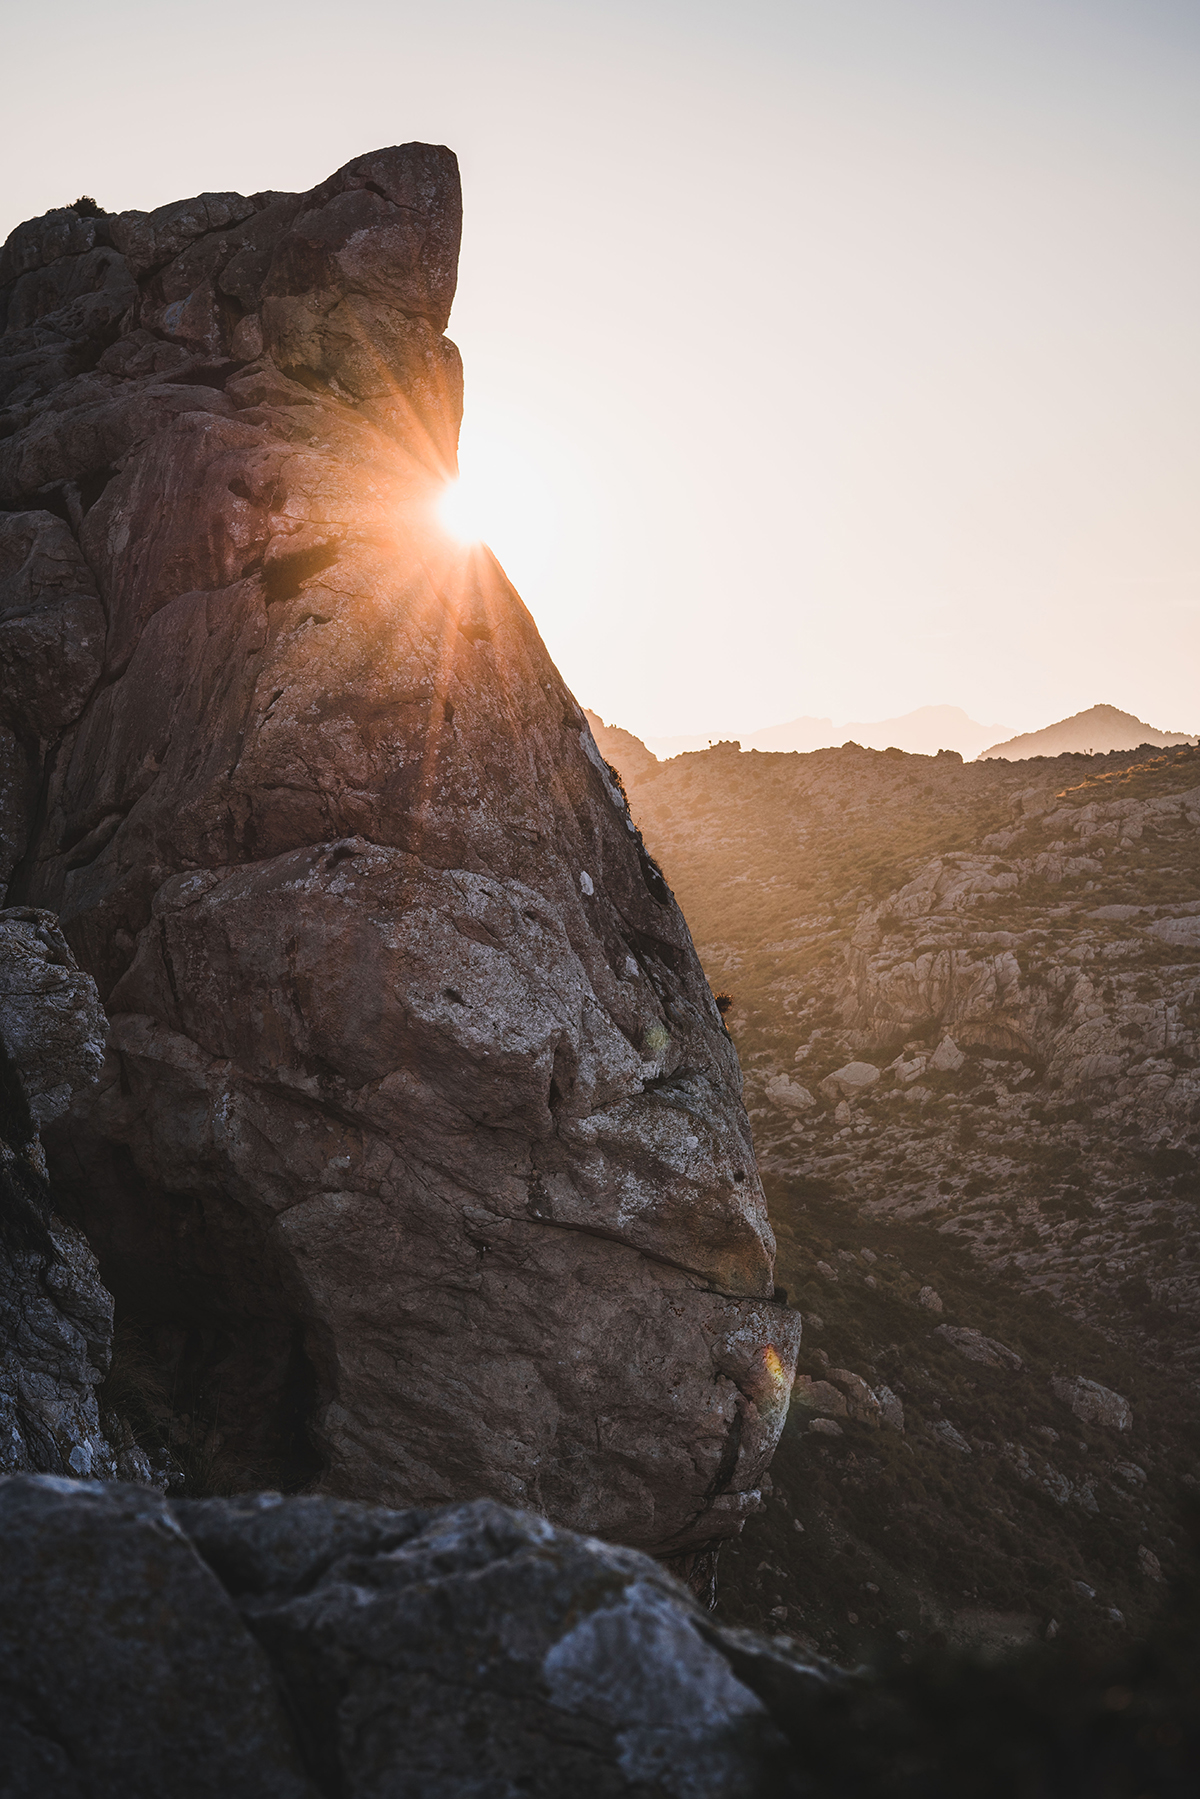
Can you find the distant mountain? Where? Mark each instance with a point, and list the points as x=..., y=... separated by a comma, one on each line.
x=921, y=733
x=1095, y=732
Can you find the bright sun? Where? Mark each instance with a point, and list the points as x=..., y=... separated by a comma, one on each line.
x=456, y=513
x=501, y=497
x=513, y=493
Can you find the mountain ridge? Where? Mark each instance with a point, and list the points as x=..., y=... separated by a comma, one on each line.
x=1097, y=730
x=928, y=729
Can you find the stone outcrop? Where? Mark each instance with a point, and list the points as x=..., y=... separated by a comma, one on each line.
x=292, y=1647
x=1093, y=1403
x=419, y=1155
x=56, y=1316
x=268, y=1648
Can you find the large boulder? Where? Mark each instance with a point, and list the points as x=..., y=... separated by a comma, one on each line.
x=419, y=1157
x=1092, y=1403
x=291, y=1647
x=851, y=1081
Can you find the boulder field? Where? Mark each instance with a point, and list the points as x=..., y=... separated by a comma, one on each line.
x=417, y=1164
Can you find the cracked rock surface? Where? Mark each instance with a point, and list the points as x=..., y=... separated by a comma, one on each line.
x=419, y=1155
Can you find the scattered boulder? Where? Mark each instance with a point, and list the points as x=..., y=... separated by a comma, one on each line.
x=1094, y=1404
x=819, y=1396
x=891, y=1409
x=947, y=1058
x=1149, y=1563
x=945, y=1432
x=1183, y=932
x=978, y=1348
x=851, y=1081
x=790, y=1094
x=930, y=1299
x=862, y=1402
x=825, y=1427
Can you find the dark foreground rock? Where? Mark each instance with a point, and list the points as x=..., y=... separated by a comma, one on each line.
x=263, y=1646
x=280, y=1648
x=419, y=1163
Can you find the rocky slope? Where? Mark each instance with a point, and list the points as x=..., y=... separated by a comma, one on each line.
x=418, y=1165
x=968, y=1003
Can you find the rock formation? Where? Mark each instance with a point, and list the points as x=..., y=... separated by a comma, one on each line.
x=271, y=1648
x=419, y=1155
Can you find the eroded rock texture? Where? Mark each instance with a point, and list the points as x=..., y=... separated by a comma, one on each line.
x=419, y=1154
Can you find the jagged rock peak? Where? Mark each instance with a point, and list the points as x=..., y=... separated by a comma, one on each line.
x=419, y=1155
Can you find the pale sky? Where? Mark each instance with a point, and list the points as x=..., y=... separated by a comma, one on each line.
x=831, y=356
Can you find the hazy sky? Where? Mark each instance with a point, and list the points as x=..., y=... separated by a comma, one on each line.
x=832, y=356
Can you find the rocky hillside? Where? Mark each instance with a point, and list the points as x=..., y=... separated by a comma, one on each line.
x=418, y=1166
x=967, y=1000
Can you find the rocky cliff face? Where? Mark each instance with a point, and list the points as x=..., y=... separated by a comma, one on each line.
x=419, y=1158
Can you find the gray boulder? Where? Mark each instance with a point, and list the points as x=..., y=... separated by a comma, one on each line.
x=1092, y=1403
x=266, y=1646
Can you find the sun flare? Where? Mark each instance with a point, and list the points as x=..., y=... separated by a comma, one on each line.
x=502, y=496
x=461, y=511
x=517, y=492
